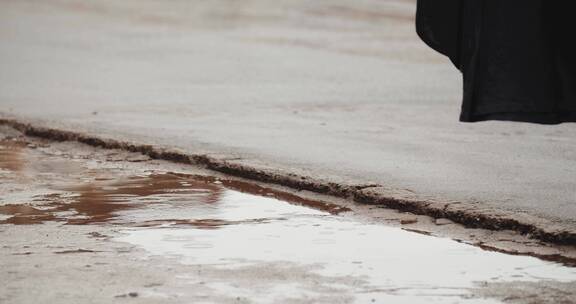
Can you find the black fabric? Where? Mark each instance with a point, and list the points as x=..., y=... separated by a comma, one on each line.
x=517, y=57
x=439, y=26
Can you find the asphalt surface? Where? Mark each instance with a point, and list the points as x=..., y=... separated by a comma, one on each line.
x=336, y=88
x=80, y=224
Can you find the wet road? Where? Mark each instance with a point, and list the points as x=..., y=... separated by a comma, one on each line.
x=78, y=223
x=336, y=89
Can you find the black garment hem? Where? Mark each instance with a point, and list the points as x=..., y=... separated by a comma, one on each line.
x=529, y=117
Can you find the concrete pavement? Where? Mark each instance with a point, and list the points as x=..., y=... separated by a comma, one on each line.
x=336, y=90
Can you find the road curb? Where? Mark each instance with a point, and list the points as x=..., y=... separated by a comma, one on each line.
x=469, y=214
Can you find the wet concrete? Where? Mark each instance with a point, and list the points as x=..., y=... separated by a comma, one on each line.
x=68, y=211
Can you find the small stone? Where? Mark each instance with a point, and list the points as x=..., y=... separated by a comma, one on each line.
x=131, y=294
x=443, y=221
x=409, y=221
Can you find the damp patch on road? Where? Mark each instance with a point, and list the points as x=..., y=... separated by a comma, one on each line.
x=263, y=245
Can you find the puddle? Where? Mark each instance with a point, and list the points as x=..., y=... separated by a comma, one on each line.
x=151, y=200
x=291, y=248
x=115, y=197
x=386, y=263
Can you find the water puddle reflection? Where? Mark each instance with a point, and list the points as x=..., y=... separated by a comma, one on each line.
x=384, y=263
x=239, y=227
x=114, y=197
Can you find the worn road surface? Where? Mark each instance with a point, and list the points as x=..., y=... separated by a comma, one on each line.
x=333, y=88
x=85, y=225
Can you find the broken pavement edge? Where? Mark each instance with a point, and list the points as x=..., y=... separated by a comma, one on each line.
x=467, y=214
